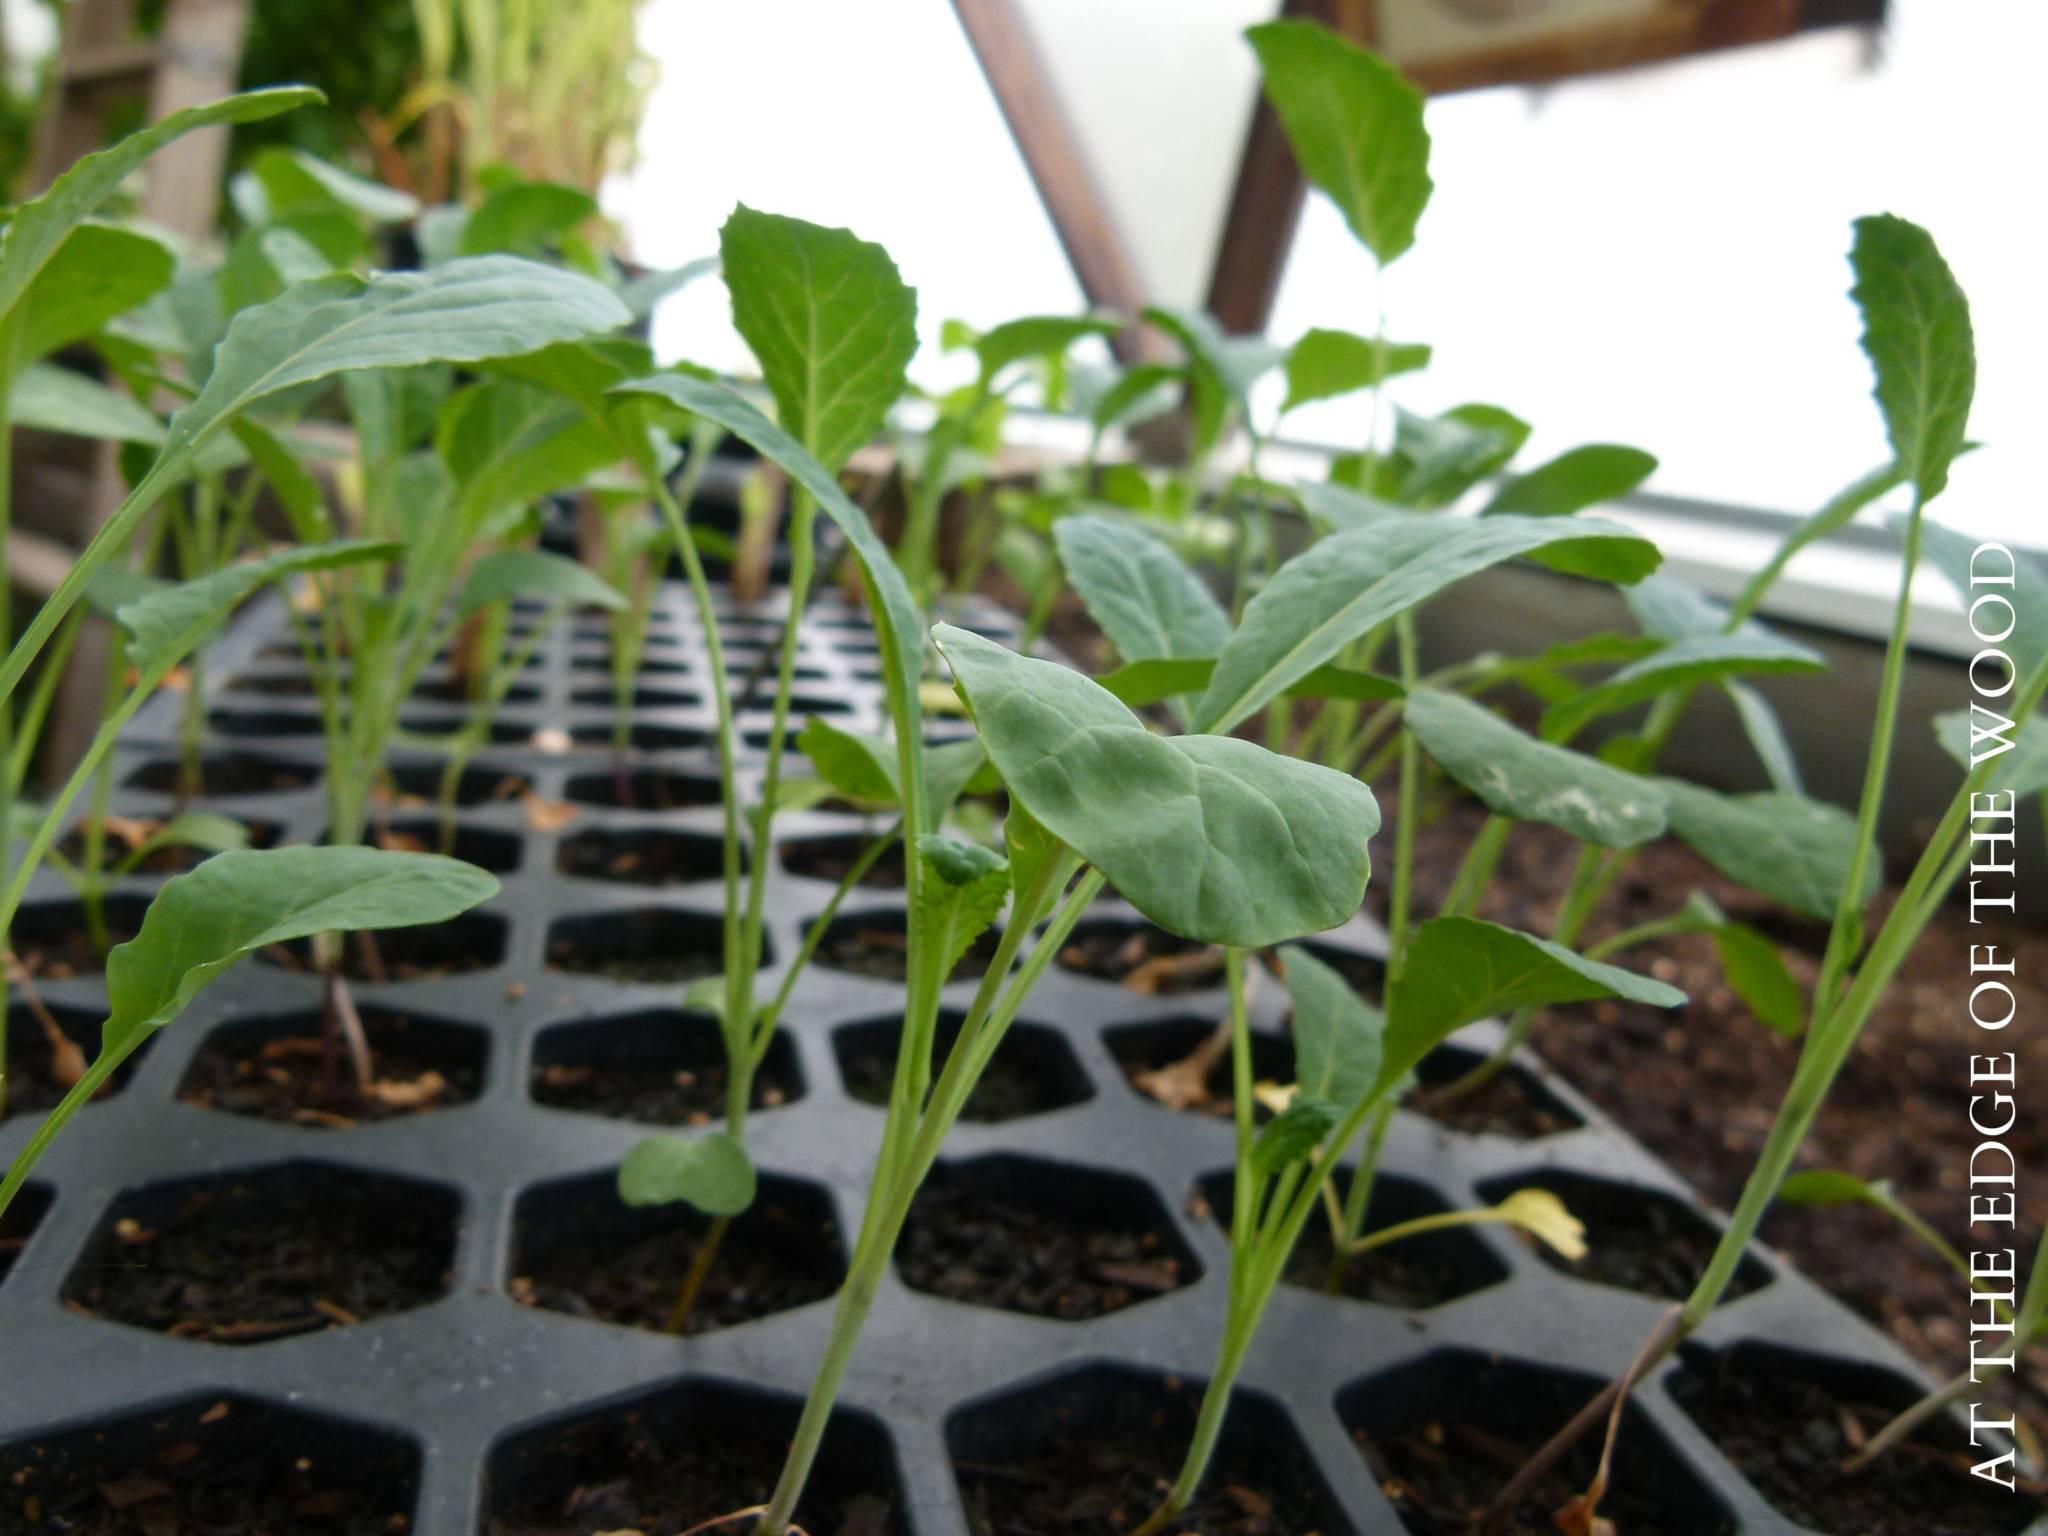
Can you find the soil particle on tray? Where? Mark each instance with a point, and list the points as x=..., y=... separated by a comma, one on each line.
x=1790, y=1436
x=967, y=1244
x=288, y=1078
x=1142, y=958
x=1441, y=1477
x=774, y=1257
x=876, y=946
x=245, y=1258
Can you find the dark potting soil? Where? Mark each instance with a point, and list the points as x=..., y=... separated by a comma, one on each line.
x=34, y=1083
x=1639, y=1241
x=635, y=1479
x=1788, y=1437
x=1441, y=1477
x=189, y=1489
x=876, y=946
x=587, y=954
x=1509, y=1104
x=286, y=1078
x=1101, y=1471
x=1411, y=1275
x=247, y=1258
x=225, y=773
x=58, y=954
x=1009, y=1089
x=962, y=1244
x=472, y=942
x=652, y=1092
x=829, y=858
x=772, y=1258
x=642, y=856
x=1143, y=958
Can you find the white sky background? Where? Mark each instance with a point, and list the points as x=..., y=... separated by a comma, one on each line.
x=1654, y=258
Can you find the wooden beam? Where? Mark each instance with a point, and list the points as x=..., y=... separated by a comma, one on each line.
x=1030, y=104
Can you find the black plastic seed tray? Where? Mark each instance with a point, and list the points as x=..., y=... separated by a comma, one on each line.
x=444, y=1409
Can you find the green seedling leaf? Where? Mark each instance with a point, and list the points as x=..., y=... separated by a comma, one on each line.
x=206, y=830
x=523, y=218
x=899, y=625
x=1827, y=1186
x=1356, y=127
x=644, y=292
x=1953, y=554
x=1038, y=336
x=1293, y=1134
x=101, y=271
x=1767, y=735
x=2032, y=1316
x=1794, y=850
x=507, y=444
x=1212, y=838
x=1326, y=364
x=1965, y=733
x=1139, y=683
x=960, y=904
x=1917, y=334
x=709, y=1173
x=1673, y=610
x=1519, y=776
x=511, y=573
x=1146, y=601
x=1449, y=454
x=1750, y=651
x=1349, y=583
x=168, y=624
x=1459, y=969
x=1137, y=394
x=54, y=399
x=1337, y=1035
x=288, y=180
x=238, y=902
x=1757, y=974
x=41, y=226
x=1340, y=508
x=292, y=483
x=858, y=766
x=1571, y=482
x=830, y=321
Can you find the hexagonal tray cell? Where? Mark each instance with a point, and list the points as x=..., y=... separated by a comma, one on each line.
x=643, y=789
x=1445, y=1432
x=1026, y=1234
x=658, y=1067
x=1032, y=1071
x=40, y=1070
x=249, y=1256
x=18, y=1224
x=225, y=773
x=127, y=833
x=829, y=858
x=497, y=852
x=1184, y=1064
x=578, y=1249
x=1637, y=1238
x=456, y=690
x=1366, y=973
x=1092, y=1450
x=873, y=944
x=54, y=944
x=1140, y=957
x=650, y=946
x=277, y=1069
x=642, y=736
x=676, y=1459
x=649, y=855
x=1785, y=1418
x=420, y=783
x=215, y=1462
x=1414, y=1274
x=475, y=941
x=1513, y=1103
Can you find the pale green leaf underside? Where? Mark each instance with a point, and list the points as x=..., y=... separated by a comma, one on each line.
x=1212, y=838
x=54, y=399
x=1789, y=848
x=1349, y=583
x=2023, y=769
x=1530, y=780
x=1149, y=604
x=1336, y=1033
x=1917, y=333
x=1751, y=651
x=510, y=573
